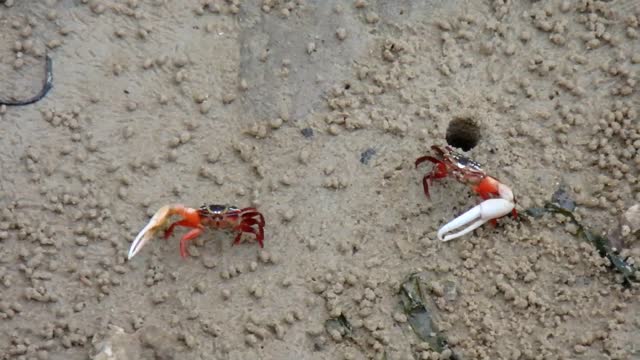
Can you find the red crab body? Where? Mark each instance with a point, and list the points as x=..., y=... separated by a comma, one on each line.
x=247, y=220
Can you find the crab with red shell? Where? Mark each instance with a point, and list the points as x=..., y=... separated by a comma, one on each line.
x=248, y=220
x=498, y=197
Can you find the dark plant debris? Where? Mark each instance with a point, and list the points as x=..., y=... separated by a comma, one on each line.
x=307, y=132
x=46, y=86
x=413, y=292
x=601, y=243
x=367, y=155
x=341, y=323
x=562, y=198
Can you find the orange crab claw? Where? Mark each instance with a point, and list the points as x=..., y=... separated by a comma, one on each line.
x=159, y=223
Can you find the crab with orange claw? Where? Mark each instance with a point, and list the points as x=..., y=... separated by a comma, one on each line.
x=498, y=197
x=241, y=221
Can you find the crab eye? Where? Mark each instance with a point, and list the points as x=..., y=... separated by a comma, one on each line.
x=216, y=209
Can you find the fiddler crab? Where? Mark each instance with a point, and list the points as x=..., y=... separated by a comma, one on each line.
x=498, y=197
x=247, y=220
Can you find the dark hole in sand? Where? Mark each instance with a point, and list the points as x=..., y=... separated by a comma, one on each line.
x=463, y=133
x=307, y=132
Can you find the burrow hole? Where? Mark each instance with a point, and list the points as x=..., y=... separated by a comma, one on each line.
x=463, y=133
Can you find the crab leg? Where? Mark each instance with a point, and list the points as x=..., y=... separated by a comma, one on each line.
x=439, y=171
x=252, y=212
x=476, y=217
x=186, y=238
x=244, y=228
x=185, y=223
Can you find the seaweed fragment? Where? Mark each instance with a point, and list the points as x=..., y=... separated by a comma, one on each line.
x=412, y=296
x=366, y=155
x=307, y=132
x=600, y=242
x=47, y=84
x=340, y=323
x=561, y=198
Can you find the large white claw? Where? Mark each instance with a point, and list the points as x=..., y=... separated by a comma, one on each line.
x=476, y=217
x=157, y=222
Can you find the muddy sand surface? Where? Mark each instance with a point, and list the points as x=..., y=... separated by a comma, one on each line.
x=314, y=112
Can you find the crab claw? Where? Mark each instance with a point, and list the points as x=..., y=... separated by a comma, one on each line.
x=157, y=223
x=476, y=217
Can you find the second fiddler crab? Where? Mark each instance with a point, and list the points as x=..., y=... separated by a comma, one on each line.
x=248, y=220
x=498, y=197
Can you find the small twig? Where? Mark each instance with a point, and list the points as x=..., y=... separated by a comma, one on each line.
x=46, y=86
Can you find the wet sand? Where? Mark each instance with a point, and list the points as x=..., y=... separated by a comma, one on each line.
x=314, y=112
